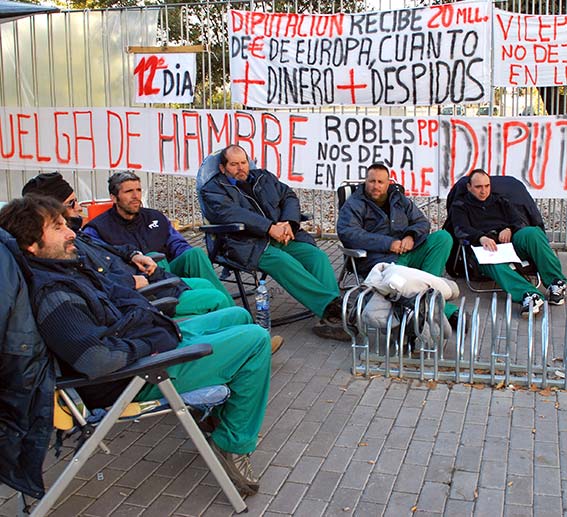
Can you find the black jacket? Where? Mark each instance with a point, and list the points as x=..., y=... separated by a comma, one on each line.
x=473, y=219
x=273, y=201
x=27, y=381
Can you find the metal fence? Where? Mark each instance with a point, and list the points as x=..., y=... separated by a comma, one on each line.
x=77, y=58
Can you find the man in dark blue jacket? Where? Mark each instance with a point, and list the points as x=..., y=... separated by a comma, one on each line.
x=273, y=240
x=379, y=218
x=128, y=222
x=96, y=327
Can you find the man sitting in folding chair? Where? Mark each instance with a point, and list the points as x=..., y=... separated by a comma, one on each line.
x=273, y=240
x=379, y=218
x=96, y=327
x=486, y=219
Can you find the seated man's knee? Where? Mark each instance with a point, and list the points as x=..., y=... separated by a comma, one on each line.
x=441, y=238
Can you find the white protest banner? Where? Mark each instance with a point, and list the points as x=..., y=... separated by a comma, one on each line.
x=420, y=56
x=305, y=150
x=529, y=49
x=165, y=77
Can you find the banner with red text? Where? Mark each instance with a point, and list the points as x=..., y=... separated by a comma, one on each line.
x=305, y=150
x=529, y=49
x=420, y=56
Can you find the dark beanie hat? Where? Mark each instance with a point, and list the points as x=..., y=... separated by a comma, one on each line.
x=48, y=184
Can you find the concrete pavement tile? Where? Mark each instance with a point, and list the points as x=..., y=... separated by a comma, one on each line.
x=275, y=439
x=513, y=510
x=473, y=435
x=362, y=415
x=500, y=406
x=369, y=508
x=164, y=449
x=96, y=486
x=378, y=488
x=547, y=481
x=351, y=436
x=457, y=401
x=397, y=390
x=97, y=463
x=273, y=479
x=415, y=398
x=446, y=444
x=495, y=448
x=521, y=438
x=433, y=497
x=320, y=409
x=524, y=398
x=468, y=458
x=399, y=437
x=380, y=427
x=546, y=454
x=110, y=500
x=321, y=444
x=520, y=462
x=389, y=407
x=257, y=505
x=433, y=409
x=336, y=422
x=289, y=454
x=356, y=475
x=498, y=426
x=400, y=503
x=523, y=417
x=148, y=491
x=461, y=508
x=440, y=469
x=490, y=502
x=493, y=474
x=452, y=422
x=369, y=449
x=410, y=479
x=288, y=498
x=427, y=429
x=547, y=506
x=186, y=482
x=338, y=459
x=343, y=503
x=136, y=476
x=155, y=435
x=464, y=485
x=74, y=505
x=323, y=485
x=261, y=460
x=419, y=452
x=305, y=431
x=310, y=508
x=306, y=469
x=407, y=416
x=163, y=505
x=519, y=490
x=175, y=464
x=389, y=461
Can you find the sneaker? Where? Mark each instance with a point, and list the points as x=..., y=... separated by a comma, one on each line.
x=238, y=468
x=277, y=342
x=537, y=303
x=556, y=294
x=331, y=329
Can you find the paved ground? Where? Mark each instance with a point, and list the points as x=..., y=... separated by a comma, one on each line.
x=334, y=444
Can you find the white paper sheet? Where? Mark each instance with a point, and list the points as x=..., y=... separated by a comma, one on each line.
x=505, y=253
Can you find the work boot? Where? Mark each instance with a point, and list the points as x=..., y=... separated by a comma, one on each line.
x=238, y=468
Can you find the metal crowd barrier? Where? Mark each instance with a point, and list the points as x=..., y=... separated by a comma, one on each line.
x=387, y=351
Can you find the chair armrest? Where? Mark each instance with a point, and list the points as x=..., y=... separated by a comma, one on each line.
x=142, y=366
x=222, y=228
x=166, y=282
x=166, y=305
x=352, y=252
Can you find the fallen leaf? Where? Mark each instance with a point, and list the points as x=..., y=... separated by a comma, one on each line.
x=346, y=509
x=533, y=431
x=500, y=385
x=546, y=392
x=413, y=509
x=475, y=493
x=363, y=444
x=371, y=462
x=510, y=483
x=533, y=387
x=557, y=405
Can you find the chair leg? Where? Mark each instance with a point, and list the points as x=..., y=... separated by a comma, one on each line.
x=242, y=291
x=84, y=453
x=190, y=426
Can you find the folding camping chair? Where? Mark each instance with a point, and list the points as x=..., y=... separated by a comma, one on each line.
x=462, y=262
x=214, y=235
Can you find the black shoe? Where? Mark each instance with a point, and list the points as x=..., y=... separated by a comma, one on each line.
x=334, y=310
x=537, y=301
x=556, y=295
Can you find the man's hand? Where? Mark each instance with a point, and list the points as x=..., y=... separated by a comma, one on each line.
x=140, y=281
x=505, y=235
x=487, y=243
x=281, y=232
x=407, y=244
x=396, y=247
x=145, y=264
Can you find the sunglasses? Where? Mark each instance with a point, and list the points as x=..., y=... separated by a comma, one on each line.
x=71, y=204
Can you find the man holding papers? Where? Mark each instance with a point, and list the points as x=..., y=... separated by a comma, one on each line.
x=486, y=219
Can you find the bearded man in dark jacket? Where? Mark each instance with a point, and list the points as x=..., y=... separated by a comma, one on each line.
x=95, y=326
x=273, y=240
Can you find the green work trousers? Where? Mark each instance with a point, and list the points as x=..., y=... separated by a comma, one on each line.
x=201, y=298
x=241, y=359
x=530, y=244
x=431, y=257
x=304, y=271
x=194, y=263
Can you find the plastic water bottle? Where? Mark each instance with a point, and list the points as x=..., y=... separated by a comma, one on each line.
x=263, y=306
